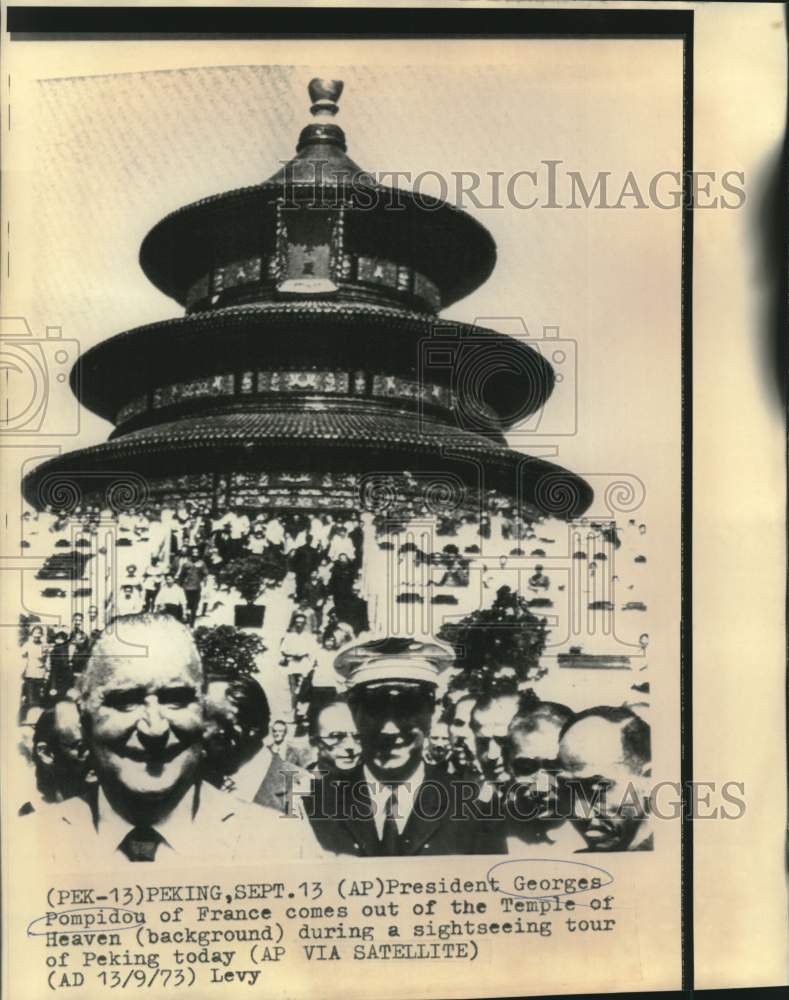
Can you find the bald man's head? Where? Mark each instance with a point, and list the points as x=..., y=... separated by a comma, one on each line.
x=141, y=637
x=605, y=755
x=606, y=737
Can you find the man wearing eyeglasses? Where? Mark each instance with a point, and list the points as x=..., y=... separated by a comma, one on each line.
x=333, y=736
x=393, y=804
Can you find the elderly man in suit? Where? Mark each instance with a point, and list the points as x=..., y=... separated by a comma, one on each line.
x=59, y=755
x=393, y=804
x=490, y=721
x=333, y=735
x=537, y=812
x=605, y=757
x=142, y=709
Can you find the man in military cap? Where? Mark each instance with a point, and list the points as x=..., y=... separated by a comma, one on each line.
x=393, y=803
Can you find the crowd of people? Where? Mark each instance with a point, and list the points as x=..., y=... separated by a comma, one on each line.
x=292, y=578
x=308, y=595
x=142, y=755
x=52, y=658
x=171, y=556
x=321, y=718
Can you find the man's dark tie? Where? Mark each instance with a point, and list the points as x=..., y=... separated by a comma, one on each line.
x=140, y=844
x=390, y=837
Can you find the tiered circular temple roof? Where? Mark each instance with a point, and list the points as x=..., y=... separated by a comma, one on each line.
x=311, y=342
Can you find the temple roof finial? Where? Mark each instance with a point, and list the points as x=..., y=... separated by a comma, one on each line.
x=324, y=95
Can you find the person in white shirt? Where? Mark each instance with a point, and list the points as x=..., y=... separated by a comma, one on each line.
x=142, y=709
x=320, y=530
x=341, y=544
x=158, y=536
x=152, y=580
x=299, y=643
x=294, y=538
x=298, y=652
x=171, y=599
x=257, y=543
x=275, y=531
x=278, y=601
x=238, y=522
x=35, y=654
x=324, y=678
x=341, y=632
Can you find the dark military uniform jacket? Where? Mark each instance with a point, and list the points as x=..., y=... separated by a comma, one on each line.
x=339, y=809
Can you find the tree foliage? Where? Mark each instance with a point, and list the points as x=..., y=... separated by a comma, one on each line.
x=504, y=638
x=248, y=574
x=227, y=651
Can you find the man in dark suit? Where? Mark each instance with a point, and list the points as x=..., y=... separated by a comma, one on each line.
x=605, y=760
x=61, y=676
x=537, y=811
x=237, y=761
x=393, y=804
x=60, y=754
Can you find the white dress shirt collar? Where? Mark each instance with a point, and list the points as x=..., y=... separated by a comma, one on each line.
x=174, y=828
x=405, y=793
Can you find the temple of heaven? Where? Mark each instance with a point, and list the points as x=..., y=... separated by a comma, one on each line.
x=311, y=368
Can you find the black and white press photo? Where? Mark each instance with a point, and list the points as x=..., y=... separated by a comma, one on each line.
x=349, y=468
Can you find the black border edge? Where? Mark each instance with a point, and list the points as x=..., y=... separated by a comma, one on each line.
x=686, y=531
x=346, y=22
